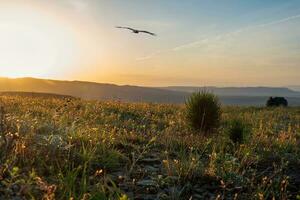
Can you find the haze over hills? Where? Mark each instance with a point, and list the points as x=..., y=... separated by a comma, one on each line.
x=240, y=91
x=295, y=87
x=178, y=94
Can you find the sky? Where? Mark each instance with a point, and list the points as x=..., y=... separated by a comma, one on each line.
x=198, y=42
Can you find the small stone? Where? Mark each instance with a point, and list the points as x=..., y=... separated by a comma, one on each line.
x=151, y=161
x=147, y=183
x=16, y=198
x=198, y=190
x=151, y=169
x=197, y=196
x=173, y=190
x=145, y=197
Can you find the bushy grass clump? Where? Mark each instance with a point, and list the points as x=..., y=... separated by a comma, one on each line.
x=238, y=131
x=203, y=111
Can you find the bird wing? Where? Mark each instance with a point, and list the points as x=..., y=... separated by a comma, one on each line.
x=124, y=27
x=148, y=32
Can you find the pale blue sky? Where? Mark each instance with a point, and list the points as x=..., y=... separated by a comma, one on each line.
x=199, y=42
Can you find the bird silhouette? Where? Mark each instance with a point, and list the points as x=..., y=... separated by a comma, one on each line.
x=136, y=31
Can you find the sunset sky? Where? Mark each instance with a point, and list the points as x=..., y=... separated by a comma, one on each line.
x=199, y=42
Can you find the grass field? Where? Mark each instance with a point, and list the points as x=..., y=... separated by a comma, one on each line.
x=64, y=148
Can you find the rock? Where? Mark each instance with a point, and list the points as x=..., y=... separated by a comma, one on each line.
x=150, y=161
x=198, y=190
x=130, y=195
x=150, y=169
x=147, y=183
x=16, y=198
x=146, y=197
x=173, y=190
x=197, y=196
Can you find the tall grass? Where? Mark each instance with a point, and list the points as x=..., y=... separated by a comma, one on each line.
x=69, y=149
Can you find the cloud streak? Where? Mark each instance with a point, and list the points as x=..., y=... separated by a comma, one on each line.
x=280, y=21
x=221, y=36
x=149, y=56
x=233, y=33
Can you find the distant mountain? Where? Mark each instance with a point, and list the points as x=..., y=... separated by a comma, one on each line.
x=240, y=91
x=100, y=91
x=37, y=94
x=294, y=87
x=90, y=90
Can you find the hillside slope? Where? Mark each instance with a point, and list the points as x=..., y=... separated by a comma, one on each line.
x=90, y=90
x=255, y=96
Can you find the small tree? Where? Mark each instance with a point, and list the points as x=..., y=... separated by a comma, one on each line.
x=276, y=101
x=203, y=111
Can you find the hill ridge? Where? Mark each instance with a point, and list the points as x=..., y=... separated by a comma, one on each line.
x=132, y=93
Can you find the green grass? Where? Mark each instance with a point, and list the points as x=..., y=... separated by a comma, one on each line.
x=55, y=148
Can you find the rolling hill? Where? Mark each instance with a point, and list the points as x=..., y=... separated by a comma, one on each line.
x=127, y=93
x=90, y=90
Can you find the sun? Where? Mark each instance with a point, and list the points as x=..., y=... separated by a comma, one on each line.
x=33, y=43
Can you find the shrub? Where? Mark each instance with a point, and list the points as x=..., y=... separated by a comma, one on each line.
x=277, y=101
x=238, y=131
x=203, y=111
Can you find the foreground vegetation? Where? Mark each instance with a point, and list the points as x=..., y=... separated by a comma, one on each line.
x=65, y=148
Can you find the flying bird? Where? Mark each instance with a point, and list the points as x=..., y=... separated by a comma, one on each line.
x=136, y=31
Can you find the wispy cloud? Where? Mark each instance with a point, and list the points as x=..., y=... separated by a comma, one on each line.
x=206, y=41
x=190, y=45
x=234, y=33
x=149, y=56
x=280, y=21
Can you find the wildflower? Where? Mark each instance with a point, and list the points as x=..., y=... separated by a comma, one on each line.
x=223, y=184
x=86, y=196
x=260, y=196
x=264, y=180
x=235, y=196
x=99, y=172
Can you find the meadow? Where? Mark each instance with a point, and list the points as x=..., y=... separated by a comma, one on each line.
x=67, y=148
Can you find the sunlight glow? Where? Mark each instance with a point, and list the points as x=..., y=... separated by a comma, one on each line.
x=33, y=43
